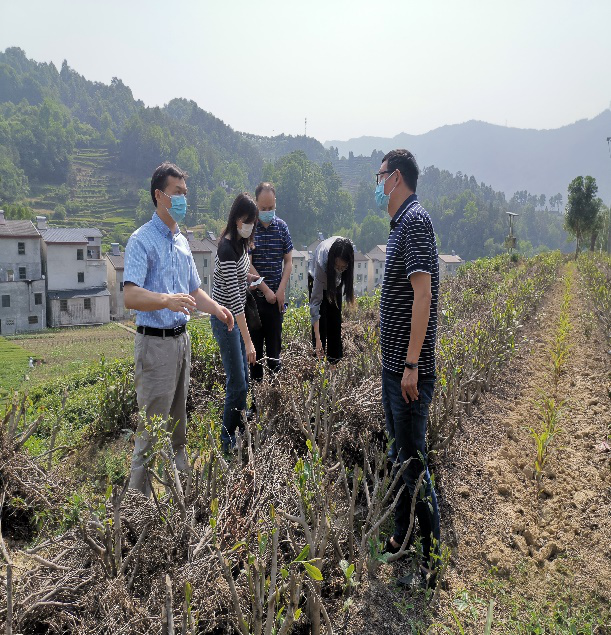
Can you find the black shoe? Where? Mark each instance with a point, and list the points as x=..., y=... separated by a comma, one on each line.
x=425, y=578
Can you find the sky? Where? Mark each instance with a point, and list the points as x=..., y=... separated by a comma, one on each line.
x=352, y=68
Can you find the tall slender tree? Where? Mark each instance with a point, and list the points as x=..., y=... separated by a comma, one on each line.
x=581, y=209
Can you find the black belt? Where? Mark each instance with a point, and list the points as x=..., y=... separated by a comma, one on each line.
x=149, y=330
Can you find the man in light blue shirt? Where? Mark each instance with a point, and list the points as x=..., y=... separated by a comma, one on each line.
x=162, y=284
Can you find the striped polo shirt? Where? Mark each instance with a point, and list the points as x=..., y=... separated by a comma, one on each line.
x=229, y=280
x=157, y=260
x=271, y=245
x=411, y=248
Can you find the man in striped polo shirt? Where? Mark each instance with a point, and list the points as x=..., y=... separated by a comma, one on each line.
x=162, y=285
x=272, y=259
x=408, y=326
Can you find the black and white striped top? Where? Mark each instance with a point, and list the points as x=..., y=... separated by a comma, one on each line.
x=229, y=280
x=411, y=248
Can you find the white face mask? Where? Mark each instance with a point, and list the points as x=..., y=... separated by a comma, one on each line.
x=246, y=230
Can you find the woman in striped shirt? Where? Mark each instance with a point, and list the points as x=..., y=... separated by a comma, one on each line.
x=231, y=267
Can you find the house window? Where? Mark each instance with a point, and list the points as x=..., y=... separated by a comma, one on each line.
x=301, y=276
x=22, y=273
x=33, y=319
x=38, y=298
x=87, y=304
x=90, y=239
x=21, y=248
x=81, y=276
x=205, y=279
x=120, y=286
x=205, y=262
x=10, y=275
x=359, y=265
x=365, y=277
x=6, y=301
x=79, y=254
x=359, y=277
x=63, y=305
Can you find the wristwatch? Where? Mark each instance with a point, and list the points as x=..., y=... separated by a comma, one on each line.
x=411, y=366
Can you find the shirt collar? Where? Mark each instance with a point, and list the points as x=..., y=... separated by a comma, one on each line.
x=273, y=222
x=162, y=228
x=396, y=219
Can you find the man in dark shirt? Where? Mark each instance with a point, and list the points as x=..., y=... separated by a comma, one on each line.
x=272, y=259
x=408, y=326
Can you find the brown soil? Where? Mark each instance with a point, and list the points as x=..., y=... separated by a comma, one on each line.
x=508, y=541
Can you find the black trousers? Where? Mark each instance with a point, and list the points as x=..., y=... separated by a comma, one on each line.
x=330, y=325
x=269, y=335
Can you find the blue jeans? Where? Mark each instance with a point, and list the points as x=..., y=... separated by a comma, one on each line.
x=406, y=426
x=233, y=354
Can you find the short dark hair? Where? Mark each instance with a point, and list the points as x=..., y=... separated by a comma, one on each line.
x=160, y=177
x=405, y=162
x=243, y=207
x=264, y=187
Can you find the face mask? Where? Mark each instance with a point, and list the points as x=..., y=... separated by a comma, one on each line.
x=267, y=217
x=178, y=208
x=246, y=230
x=382, y=199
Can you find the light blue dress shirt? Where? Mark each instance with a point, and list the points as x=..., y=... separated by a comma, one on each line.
x=157, y=260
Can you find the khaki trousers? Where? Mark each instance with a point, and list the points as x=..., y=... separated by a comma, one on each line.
x=161, y=377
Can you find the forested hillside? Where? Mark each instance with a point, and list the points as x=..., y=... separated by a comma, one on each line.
x=82, y=152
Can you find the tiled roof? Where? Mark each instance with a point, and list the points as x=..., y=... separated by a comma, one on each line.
x=300, y=254
x=202, y=246
x=67, y=294
x=118, y=262
x=69, y=234
x=450, y=259
x=18, y=228
x=359, y=256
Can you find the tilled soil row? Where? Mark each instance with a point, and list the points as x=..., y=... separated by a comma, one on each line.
x=497, y=523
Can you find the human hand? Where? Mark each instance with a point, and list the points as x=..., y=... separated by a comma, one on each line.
x=270, y=296
x=251, y=354
x=224, y=315
x=320, y=353
x=280, y=298
x=409, y=384
x=180, y=303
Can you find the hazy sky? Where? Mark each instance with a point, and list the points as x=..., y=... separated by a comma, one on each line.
x=351, y=67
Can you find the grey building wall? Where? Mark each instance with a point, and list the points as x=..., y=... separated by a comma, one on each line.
x=77, y=314
x=23, y=315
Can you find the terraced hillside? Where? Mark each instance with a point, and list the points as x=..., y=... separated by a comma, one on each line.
x=96, y=195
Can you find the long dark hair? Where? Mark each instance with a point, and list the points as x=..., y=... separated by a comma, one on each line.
x=343, y=249
x=243, y=207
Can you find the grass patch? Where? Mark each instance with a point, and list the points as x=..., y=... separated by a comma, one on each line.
x=15, y=362
x=66, y=351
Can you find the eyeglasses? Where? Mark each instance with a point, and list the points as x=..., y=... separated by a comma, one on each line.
x=379, y=174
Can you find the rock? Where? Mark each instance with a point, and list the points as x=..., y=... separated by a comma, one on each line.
x=503, y=489
x=583, y=498
x=529, y=472
x=593, y=402
x=518, y=526
x=520, y=544
x=530, y=536
x=494, y=558
x=548, y=551
x=465, y=492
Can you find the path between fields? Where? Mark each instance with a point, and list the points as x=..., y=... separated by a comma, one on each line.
x=491, y=516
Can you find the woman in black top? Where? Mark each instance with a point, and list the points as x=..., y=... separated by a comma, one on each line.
x=231, y=267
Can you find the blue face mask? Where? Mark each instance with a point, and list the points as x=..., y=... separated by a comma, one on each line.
x=382, y=199
x=178, y=208
x=267, y=217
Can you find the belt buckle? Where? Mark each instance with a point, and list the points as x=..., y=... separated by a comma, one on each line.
x=177, y=331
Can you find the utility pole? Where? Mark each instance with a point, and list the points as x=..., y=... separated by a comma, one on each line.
x=305, y=129
x=609, y=210
x=510, y=241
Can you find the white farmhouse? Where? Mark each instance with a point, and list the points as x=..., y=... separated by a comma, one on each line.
x=115, y=263
x=77, y=292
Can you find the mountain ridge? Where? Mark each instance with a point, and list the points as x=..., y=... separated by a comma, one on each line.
x=543, y=160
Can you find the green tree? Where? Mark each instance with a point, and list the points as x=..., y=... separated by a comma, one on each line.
x=218, y=203
x=582, y=209
x=364, y=202
x=59, y=213
x=374, y=231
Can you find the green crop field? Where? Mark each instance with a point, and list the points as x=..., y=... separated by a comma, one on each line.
x=15, y=361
